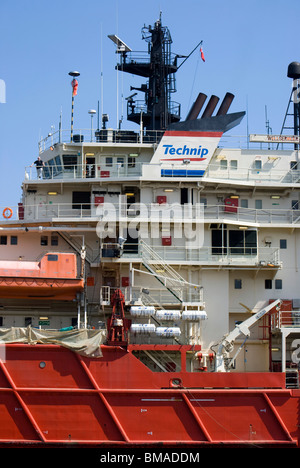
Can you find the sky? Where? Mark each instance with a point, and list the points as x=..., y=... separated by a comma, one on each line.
x=248, y=46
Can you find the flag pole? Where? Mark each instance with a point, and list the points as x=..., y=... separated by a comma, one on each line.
x=74, y=84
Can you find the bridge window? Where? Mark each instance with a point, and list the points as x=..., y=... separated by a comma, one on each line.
x=70, y=162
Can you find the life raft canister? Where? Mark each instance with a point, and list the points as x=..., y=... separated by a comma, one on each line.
x=7, y=213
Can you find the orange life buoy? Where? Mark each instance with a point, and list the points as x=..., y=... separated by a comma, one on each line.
x=7, y=213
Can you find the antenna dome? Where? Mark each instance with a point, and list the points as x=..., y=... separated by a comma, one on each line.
x=294, y=70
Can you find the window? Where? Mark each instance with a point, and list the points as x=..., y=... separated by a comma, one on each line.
x=108, y=161
x=233, y=164
x=44, y=240
x=184, y=196
x=237, y=284
x=52, y=258
x=223, y=164
x=239, y=242
x=283, y=243
x=293, y=165
x=131, y=161
x=258, y=204
x=268, y=284
x=70, y=162
x=244, y=203
x=120, y=161
x=295, y=204
x=74, y=322
x=243, y=242
x=278, y=284
x=52, y=168
x=27, y=321
x=257, y=164
x=13, y=240
x=219, y=241
x=1, y=321
x=81, y=200
x=3, y=240
x=203, y=201
x=54, y=240
x=58, y=163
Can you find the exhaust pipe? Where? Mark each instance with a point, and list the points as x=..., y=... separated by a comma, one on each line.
x=212, y=103
x=226, y=103
x=196, y=107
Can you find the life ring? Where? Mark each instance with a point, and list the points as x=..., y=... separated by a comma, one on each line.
x=7, y=213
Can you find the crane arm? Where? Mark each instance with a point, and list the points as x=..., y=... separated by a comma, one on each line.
x=226, y=345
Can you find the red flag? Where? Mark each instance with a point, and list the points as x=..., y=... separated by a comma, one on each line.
x=202, y=54
x=74, y=84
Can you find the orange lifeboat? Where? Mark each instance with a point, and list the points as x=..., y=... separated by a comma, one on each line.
x=54, y=277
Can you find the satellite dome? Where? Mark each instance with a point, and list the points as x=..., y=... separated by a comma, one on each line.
x=294, y=70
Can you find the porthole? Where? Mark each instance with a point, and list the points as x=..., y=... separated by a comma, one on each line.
x=42, y=364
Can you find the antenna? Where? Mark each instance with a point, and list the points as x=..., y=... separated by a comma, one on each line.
x=121, y=46
x=101, y=79
x=268, y=128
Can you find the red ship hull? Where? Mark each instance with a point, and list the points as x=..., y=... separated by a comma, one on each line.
x=53, y=397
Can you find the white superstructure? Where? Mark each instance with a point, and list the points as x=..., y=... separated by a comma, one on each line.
x=186, y=222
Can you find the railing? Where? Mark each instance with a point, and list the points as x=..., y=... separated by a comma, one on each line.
x=133, y=168
x=285, y=319
x=243, y=142
x=251, y=215
x=155, y=296
x=137, y=107
x=215, y=171
x=88, y=135
x=86, y=171
x=110, y=135
x=208, y=255
x=150, y=212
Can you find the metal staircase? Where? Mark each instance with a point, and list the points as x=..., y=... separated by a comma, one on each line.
x=90, y=255
x=181, y=289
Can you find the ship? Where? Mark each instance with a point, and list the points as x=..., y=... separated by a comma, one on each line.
x=149, y=277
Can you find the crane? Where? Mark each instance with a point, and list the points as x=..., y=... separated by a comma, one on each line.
x=226, y=345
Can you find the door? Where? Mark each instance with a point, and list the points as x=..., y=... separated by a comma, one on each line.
x=90, y=167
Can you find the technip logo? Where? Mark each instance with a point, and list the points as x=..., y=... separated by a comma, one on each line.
x=186, y=151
